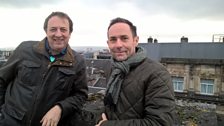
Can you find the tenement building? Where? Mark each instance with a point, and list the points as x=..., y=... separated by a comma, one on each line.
x=197, y=69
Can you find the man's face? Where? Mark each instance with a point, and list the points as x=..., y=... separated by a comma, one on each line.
x=121, y=41
x=58, y=33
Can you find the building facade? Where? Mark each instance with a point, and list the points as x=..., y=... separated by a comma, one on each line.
x=197, y=69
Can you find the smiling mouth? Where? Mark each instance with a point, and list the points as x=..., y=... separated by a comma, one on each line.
x=58, y=40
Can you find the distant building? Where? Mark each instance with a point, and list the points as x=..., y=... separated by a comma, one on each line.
x=218, y=38
x=4, y=54
x=97, y=72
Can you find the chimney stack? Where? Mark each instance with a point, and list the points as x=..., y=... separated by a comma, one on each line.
x=150, y=39
x=184, y=39
x=155, y=41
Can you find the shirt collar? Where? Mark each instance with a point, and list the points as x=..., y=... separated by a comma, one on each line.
x=49, y=50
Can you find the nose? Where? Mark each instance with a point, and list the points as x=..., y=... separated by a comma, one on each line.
x=118, y=43
x=58, y=33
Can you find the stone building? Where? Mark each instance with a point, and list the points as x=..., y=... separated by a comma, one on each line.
x=197, y=69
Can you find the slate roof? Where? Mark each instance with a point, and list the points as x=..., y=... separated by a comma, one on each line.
x=184, y=50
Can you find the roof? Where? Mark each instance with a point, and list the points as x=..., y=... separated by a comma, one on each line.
x=209, y=51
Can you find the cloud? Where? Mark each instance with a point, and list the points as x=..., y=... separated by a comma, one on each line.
x=26, y=3
x=187, y=9
x=166, y=20
x=183, y=9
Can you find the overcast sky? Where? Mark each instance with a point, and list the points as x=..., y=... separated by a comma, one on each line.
x=165, y=20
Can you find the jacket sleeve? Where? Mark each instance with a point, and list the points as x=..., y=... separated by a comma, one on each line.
x=159, y=104
x=8, y=73
x=78, y=94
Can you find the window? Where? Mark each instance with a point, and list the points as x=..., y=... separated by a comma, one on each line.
x=178, y=84
x=207, y=86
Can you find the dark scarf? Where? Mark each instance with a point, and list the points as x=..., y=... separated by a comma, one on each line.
x=119, y=70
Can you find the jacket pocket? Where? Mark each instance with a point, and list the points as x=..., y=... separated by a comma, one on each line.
x=29, y=73
x=64, y=78
x=12, y=111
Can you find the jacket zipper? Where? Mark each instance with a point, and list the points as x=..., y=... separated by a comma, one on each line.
x=34, y=104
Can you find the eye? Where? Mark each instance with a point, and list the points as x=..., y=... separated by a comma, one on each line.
x=124, y=38
x=63, y=30
x=53, y=29
x=113, y=39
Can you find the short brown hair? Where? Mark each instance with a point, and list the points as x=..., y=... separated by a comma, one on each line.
x=122, y=20
x=59, y=14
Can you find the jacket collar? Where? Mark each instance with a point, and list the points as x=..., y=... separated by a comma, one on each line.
x=67, y=59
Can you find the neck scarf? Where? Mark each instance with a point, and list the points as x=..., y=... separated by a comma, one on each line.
x=120, y=69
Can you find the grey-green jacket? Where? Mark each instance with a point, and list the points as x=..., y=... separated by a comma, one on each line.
x=146, y=98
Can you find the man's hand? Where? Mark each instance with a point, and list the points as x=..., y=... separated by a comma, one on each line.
x=52, y=117
x=104, y=118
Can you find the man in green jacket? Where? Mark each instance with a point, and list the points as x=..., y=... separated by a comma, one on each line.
x=43, y=82
x=139, y=90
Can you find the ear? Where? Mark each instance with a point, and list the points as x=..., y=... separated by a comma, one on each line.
x=136, y=39
x=107, y=42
